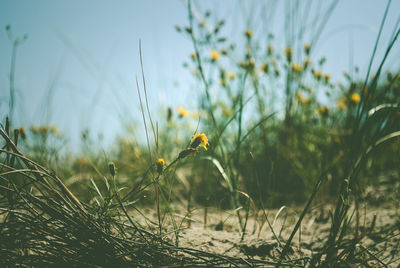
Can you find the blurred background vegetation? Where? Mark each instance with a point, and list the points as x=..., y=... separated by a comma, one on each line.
x=274, y=118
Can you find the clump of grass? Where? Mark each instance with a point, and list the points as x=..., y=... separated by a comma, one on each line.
x=43, y=223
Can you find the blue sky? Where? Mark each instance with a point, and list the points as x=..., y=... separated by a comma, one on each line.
x=87, y=52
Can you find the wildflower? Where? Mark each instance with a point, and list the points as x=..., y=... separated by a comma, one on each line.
x=182, y=112
x=248, y=65
x=327, y=77
x=270, y=49
x=288, y=53
x=307, y=48
x=214, y=55
x=341, y=104
x=193, y=56
x=199, y=139
x=355, y=97
x=54, y=131
x=231, y=75
x=301, y=98
x=160, y=165
x=322, y=111
x=227, y=112
x=22, y=132
x=296, y=67
x=195, y=115
x=249, y=33
x=317, y=74
x=264, y=68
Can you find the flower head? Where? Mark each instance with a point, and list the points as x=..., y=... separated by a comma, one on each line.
x=183, y=112
x=355, y=97
x=297, y=67
x=160, y=164
x=214, y=55
x=341, y=104
x=22, y=131
x=270, y=49
x=231, y=75
x=249, y=33
x=199, y=139
x=322, y=111
x=307, y=48
x=288, y=53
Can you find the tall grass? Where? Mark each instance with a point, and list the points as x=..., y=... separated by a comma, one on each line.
x=264, y=139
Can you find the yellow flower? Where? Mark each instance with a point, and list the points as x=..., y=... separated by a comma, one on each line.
x=322, y=111
x=231, y=75
x=54, y=131
x=355, y=97
x=317, y=74
x=307, y=47
x=288, y=53
x=270, y=49
x=214, y=55
x=22, y=131
x=249, y=33
x=160, y=164
x=199, y=139
x=301, y=98
x=341, y=104
x=327, y=77
x=296, y=67
x=193, y=55
x=227, y=112
x=264, y=68
x=182, y=112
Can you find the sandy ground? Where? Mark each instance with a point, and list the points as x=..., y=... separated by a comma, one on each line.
x=222, y=235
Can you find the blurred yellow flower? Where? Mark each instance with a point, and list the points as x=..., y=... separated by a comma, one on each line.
x=264, y=68
x=182, y=112
x=249, y=33
x=296, y=67
x=231, y=75
x=160, y=164
x=214, y=55
x=22, y=131
x=288, y=53
x=327, y=77
x=193, y=55
x=307, y=48
x=199, y=139
x=301, y=98
x=322, y=111
x=54, y=131
x=317, y=74
x=270, y=49
x=355, y=97
x=227, y=112
x=341, y=104
x=195, y=115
